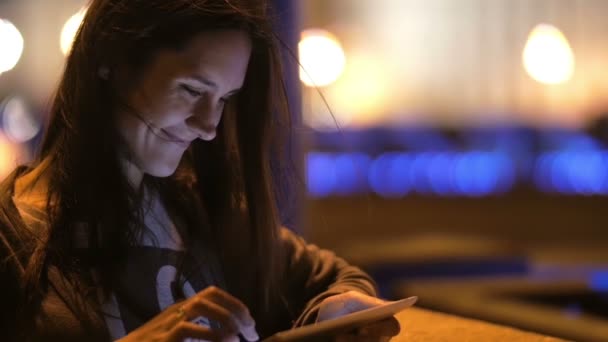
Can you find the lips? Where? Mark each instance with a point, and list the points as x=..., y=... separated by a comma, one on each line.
x=174, y=138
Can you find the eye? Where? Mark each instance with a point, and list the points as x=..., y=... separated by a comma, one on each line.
x=227, y=99
x=191, y=91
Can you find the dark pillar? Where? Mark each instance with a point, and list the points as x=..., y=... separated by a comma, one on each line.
x=288, y=29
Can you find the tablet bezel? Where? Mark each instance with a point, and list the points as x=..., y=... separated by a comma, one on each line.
x=343, y=323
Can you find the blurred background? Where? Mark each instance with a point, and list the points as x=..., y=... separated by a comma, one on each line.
x=455, y=149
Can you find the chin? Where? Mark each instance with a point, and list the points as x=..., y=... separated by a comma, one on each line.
x=162, y=171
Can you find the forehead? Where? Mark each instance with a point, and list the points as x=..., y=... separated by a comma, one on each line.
x=222, y=51
x=218, y=44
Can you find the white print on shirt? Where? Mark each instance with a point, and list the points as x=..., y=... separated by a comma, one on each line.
x=113, y=320
x=165, y=277
x=144, y=289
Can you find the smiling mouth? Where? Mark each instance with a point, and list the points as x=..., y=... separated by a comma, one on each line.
x=174, y=139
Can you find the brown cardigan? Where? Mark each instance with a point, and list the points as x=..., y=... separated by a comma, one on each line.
x=311, y=274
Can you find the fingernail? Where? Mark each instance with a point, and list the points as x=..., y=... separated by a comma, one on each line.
x=251, y=335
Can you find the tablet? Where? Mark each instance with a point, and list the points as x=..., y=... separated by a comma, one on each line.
x=317, y=331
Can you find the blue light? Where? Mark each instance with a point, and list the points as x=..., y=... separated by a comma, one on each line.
x=489, y=170
x=399, y=175
x=351, y=170
x=542, y=172
x=604, y=188
x=506, y=171
x=389, y=175
x=573, y=172
x=599, y=281
x=379, y=178
x=439, y=174
x=422, y=139
x=569, y=140
x=483, y=173
x=580, y=141
x=474, y=173
x=419, y=173
x=559, y=177
x=587, y=172
x=464, y=178
x=320, y=174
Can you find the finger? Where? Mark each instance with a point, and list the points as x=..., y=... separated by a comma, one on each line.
x=231, y=303
x=200, y=306
x=387, y=327
x=356, y=301
x=236, y=308
x=185, y=329
x=369, y=301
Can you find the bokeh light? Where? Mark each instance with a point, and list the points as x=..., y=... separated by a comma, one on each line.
x=599, y=280
x=321, y=57
x=351, y=170
x=568, y=172
x=397, y=174
x=547, y=55
x=360, y=97
x=70, y=28
x=11, y=45
x=389, y=175
x=19, y=123
x=321, y=174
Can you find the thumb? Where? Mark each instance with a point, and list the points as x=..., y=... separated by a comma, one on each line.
x=355, y=301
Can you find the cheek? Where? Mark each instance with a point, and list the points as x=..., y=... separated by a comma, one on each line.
x=150, y=154
x=156, y=102
x=167, y=111
x=130, y=128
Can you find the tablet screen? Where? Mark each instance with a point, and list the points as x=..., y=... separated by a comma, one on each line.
x=344, y=323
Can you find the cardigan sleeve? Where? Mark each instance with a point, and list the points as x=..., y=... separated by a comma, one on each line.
x=313, y=274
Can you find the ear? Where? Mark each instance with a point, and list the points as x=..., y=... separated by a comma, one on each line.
x=104, y=72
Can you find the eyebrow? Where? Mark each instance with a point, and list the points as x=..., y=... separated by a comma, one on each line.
x=212, y=84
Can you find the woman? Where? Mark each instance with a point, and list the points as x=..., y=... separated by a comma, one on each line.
x=149, y=214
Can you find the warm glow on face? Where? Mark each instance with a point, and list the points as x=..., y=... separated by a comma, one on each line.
x=11, y=45
x=321, y=57
x=69, y=30
x=547, y=55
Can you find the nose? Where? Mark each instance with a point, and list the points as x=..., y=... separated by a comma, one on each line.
x=205, y=119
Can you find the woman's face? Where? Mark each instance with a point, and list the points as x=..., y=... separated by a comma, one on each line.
x=179, y=97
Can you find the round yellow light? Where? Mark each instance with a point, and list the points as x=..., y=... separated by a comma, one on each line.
x=70, y=28
x=11, y=43
x=547, y=55
x=321, y=57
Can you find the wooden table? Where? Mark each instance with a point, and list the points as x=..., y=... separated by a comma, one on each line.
x=429, y=326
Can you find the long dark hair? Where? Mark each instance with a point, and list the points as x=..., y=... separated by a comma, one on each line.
x=230, y=177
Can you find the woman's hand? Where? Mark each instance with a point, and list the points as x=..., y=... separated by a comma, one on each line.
x=352, y=301
x=173, y=324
